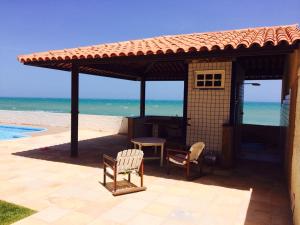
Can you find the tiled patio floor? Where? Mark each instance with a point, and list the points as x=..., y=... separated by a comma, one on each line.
x=67, y=191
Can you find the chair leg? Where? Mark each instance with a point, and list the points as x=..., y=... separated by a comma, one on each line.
x=142, y=173
x=200, y=163
x=129, y=177
x=104, y=175
x=142, y=180
x=200, y=169
x=115, y=180
x=168, y=166
x=187, y=171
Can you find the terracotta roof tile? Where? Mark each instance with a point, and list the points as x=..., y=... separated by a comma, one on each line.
x=261, y=36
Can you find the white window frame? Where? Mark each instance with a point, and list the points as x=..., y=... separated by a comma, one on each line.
x=213, y=72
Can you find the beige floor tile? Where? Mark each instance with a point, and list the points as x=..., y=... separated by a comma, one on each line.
x=95, y=209
x=31, y=221
x=144, y=218
x=147, y=195
x=158, y=209
x=177, y=222
x=68, y=202
x=51, y=214
x=184, y=215
x=170, y=200
x=133, y=204
x=102, y=221
x=209, y=220
x=119, y=214
x=74, y=218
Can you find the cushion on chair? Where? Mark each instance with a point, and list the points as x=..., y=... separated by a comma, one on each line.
x=178, y=159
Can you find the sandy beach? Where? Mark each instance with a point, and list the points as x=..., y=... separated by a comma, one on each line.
x=111, y=124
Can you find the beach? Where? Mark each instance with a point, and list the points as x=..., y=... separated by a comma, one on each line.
x=59, y=121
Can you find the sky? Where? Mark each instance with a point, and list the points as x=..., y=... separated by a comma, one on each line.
x=268, y=91
x=33, y=26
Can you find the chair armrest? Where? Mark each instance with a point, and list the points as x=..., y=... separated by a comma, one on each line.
x=177, y=146
x=109, y=161
x=176, y=150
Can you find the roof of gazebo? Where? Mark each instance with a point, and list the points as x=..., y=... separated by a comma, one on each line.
x=163, y=46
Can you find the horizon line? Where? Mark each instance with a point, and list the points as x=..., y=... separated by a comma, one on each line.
x=69, y=98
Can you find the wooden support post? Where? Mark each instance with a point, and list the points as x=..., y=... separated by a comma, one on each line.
x=74, y=110
x=142, y=97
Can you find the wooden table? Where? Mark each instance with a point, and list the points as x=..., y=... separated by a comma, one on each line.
x=151, y=141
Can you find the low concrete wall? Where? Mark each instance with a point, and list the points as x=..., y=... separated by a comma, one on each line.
x=115, y=124
x=269, y=135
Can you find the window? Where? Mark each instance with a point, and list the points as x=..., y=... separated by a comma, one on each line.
x=209, y=79
x=262, y=104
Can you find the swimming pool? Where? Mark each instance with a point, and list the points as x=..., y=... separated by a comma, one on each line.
x=8, y=132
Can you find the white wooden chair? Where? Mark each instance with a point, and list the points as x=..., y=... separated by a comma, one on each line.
x=127, y=162
x=186, y=159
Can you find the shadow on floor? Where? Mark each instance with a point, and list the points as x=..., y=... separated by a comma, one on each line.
x=269, y=203
x=90, y=151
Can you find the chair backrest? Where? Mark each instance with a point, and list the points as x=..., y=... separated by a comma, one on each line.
x=129, y=160
x=196, y=150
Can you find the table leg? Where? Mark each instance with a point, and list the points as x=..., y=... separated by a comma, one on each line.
x=155, y=150
x=155, y=130
x=162, y=155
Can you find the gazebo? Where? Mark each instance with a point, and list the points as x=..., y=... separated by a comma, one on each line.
x=213, y=67
x=167, y=58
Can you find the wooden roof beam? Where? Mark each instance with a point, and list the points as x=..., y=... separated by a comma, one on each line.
x=126, y=74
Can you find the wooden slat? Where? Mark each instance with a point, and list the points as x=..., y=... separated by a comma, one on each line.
x=129, y=160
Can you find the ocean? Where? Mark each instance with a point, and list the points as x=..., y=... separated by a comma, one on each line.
x=266, y=113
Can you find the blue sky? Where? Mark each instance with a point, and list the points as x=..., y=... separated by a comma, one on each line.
x=32, y=26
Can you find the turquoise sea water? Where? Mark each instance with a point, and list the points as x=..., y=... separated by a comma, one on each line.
x=265, y=113
x=254, y=112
